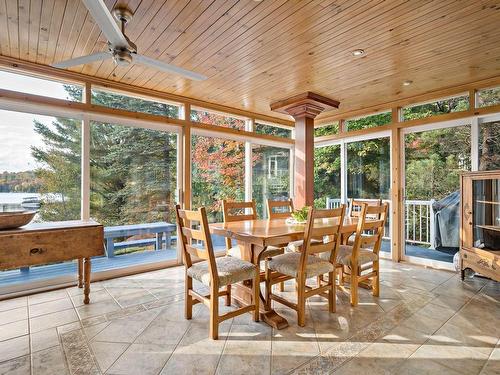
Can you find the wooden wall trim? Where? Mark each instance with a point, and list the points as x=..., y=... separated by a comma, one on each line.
x=65, y=75
x=434, y=95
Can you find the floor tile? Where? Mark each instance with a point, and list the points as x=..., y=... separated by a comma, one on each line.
x=44, y=339
x=13, y=348
x=106, y=353
x=97, y=308
x=18, y=366
x=52, y=320
x=15, y=329
x=50, y=307
x=13, y=315
x=49, y=361
x=144, y=359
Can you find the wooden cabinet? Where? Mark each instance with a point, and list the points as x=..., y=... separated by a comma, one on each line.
x=53, y=242
x=480, y=223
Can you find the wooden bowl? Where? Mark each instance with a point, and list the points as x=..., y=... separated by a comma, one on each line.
x=10, y=220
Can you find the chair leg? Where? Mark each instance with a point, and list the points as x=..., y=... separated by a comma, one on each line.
x=282, y=286
x=214, y=313
x=354, y=286
x=332, y=295
x=256, y=296
x=228, y=295
x=301, y=302
x=376, y=280
x=188, y=299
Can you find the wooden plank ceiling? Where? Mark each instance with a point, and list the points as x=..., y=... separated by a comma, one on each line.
x=257, y=52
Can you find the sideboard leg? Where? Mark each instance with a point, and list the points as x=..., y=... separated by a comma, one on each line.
x=86, y=280
x=80, y=273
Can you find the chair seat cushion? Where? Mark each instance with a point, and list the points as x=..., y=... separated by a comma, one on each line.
x=230, y=269
x=296, y=246
x=288, y=264
x=269, y=252
x=365, y=255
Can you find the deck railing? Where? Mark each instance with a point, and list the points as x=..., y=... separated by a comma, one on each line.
x=419, y=220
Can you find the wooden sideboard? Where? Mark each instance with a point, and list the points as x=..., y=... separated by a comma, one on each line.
x=480, y=223
x=42, y=243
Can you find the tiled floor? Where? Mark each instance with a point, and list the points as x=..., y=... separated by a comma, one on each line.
x=425, y=322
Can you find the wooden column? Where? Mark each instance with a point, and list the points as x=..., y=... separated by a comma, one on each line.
x=304, y=108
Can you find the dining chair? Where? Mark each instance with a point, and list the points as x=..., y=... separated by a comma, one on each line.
x=360, y=261
x=214, y=273
x=306, y=264
x=355, y=206
x=279, y=209
x=239, y=211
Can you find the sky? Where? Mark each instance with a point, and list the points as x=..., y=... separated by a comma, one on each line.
x=17, y=134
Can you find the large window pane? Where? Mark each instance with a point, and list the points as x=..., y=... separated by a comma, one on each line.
x=327, y=176
x=489, y=146
x=272, y=130
x=40, y=164
x=487, y=97
x=218, y=172
x=217, y=119
x=40, y=86
x=133, y=182
x=439, y=107
x=133, y=103
x=327, y=129
x=434, y=160
x=370, y=121
x=270, y=176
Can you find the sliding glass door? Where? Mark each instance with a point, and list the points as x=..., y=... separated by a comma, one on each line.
x=433, y=162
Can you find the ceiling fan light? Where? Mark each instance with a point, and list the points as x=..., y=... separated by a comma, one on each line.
x=122, y=57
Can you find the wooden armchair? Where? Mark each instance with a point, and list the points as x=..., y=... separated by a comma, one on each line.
x=325, y=224
x=361, y=259
x=215, y=273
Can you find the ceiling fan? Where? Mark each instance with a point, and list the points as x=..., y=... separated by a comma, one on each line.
x=120, y=48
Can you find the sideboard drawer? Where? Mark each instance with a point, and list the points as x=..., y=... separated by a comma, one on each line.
x=26, y=249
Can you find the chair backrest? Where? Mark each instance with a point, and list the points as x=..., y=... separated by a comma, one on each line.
x=325, y=225
x=356, y=204
x=279, y=209
x=193, y=225
x=237, y=211
x=370, y=229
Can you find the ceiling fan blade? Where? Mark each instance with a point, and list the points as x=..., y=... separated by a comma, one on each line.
x=102, y=16
x=83, y=60
x=156, y=64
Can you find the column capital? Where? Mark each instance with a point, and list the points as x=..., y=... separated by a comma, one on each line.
x=307, y=104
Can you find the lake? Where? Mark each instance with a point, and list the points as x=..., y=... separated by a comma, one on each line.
x=12, y=201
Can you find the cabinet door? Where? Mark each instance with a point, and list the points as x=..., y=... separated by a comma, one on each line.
x=486, y=213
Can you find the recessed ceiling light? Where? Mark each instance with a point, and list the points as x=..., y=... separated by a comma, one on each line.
x=407, y=82
x=358, y=52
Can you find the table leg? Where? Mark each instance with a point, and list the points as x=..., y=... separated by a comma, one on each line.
x=80, y=273
x=243, y=296
x=159, y=237
x=86, y=280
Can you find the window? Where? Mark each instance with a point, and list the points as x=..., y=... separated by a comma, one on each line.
x=438, y=107
x=218, y=172
x=40, y=169
x=40, y=161
x=270, y=176
x=41, y=86
x=489, y=146
x=370, y=121
x=135, y=104
x=487, y=97
x=327, y=129
x=327, y=176
x=133, y=180
x=277, y=131
x=212, y=118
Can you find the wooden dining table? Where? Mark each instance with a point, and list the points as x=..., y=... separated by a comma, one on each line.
x=254, y=236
